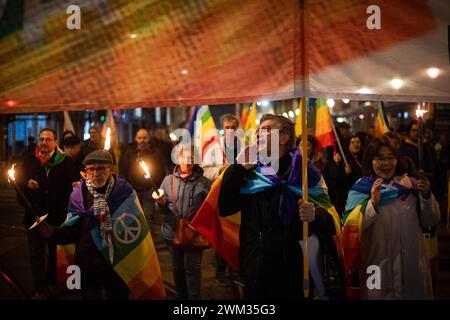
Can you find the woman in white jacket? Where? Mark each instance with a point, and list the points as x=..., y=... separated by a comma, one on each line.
x=395, y=208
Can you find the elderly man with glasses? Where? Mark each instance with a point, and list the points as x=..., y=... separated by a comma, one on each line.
x=114, y=249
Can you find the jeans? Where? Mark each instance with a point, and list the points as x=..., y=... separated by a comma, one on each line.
x=42, y=276
x=187, y=271
x=148, y=205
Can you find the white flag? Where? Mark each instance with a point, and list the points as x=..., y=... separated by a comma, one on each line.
x=68, y=126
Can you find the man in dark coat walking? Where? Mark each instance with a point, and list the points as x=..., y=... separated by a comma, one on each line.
x=46, y=178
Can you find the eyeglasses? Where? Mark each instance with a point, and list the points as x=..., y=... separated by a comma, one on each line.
x=383, y=159
x=99, y=170
x=268, y=130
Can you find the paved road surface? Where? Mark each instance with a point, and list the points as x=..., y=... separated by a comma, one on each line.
x=14, y=258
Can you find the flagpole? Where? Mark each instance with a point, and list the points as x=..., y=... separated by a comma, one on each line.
x=304, y=142
x=339, y=144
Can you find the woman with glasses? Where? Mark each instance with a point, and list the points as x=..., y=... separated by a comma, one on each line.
x=184, y=193
x=382, y=239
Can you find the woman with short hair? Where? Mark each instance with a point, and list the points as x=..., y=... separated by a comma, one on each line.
x=385, y=211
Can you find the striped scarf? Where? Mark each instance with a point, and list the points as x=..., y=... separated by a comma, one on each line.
x=101, y=211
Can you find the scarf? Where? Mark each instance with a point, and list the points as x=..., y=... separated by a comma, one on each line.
x=265, y=178
x=390, y=192
x=103, y=214
x=48, y=163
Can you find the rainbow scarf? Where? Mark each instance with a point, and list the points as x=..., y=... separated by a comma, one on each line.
x=358, y=197
x=135, y=259
x=223, y=232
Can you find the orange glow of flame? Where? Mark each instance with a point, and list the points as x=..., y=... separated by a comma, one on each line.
x=108, y=139
x=145, y=167
x=419, y=111
x=11, y=173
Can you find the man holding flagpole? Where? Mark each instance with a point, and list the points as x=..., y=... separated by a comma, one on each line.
x=270, y=254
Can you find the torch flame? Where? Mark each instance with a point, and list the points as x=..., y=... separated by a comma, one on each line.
x=108, y=139
x=144, y=166
x=419, y=111
x=11, y=173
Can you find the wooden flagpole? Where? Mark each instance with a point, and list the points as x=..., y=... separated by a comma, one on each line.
x=305, y=199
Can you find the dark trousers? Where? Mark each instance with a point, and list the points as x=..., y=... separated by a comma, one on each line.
x=148, y=206
x=42, y=275
x=99, y=276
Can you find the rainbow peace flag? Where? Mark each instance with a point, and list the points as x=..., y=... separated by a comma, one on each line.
x=310, y=116
x=244, y=116
x=250, y=125
x=324, y=127
x=209, y=135
x=65, y=256
x=192, y=118
x=250, y=122
x=223, y=232
x=382, y=124
x=358, y=197
x=135, y=259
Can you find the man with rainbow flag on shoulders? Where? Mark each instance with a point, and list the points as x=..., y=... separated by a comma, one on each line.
x=270, y=253
x=114, y=248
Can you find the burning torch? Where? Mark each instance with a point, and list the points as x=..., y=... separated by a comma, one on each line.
x=12, y=180
x=157, y=193
x=419, y=114
x=107, y=139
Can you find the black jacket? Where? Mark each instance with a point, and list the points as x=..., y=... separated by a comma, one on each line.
x=269, y=251
x=133, y=173
x=55, y=187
